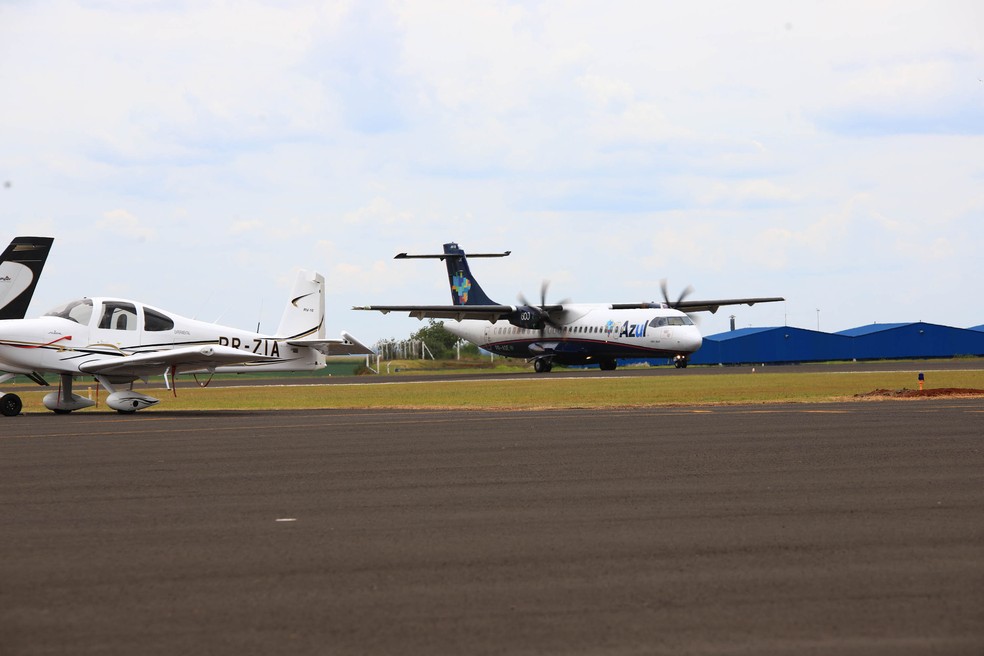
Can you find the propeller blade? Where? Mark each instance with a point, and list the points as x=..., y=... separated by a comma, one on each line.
x=684, y=294
x=666, y=294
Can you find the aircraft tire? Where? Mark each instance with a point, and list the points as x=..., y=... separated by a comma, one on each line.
x=608, y=364
x=542, y=366
x=10, y=405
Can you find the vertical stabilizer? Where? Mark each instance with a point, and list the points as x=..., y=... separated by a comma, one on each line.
x=20, y=269
x=465, y=290
x=304, y=315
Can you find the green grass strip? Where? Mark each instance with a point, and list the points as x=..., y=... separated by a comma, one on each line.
x=529, y=391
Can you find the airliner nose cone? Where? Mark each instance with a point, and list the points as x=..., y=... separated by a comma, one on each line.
x=696, y=340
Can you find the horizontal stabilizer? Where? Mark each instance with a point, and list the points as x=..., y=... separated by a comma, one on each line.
x=444, y=256
x=347, y=345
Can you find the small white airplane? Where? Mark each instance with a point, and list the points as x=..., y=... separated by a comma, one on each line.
x=118, y=341
x=564, y=333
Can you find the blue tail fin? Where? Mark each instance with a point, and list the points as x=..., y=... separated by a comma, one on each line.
x=20, y=268
x=465, y=290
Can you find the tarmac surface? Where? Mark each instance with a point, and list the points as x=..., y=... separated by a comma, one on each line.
x=853, y=528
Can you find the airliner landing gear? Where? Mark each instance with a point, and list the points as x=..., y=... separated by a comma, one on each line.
x=680, y=362
x=608, y=364
x=542, y=365
x=10, y=405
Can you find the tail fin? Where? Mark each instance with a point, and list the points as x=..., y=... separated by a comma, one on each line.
x=304, y=315
x=465, y=290
x=20, y=269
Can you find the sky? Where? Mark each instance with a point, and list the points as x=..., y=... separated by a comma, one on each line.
x=194, y=155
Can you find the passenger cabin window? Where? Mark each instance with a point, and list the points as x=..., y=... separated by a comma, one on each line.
x=118, y=316
x=156, y=322
x=79, y=311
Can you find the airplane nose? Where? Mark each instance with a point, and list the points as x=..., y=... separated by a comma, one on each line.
x=695, y=340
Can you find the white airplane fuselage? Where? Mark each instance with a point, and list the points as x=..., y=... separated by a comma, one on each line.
x=63, y=345
x=586, y=333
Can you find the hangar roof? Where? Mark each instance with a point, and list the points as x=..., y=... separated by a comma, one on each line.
x=737, y=333
x=872, y=328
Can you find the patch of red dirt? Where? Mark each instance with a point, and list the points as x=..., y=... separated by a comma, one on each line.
x=906, y=393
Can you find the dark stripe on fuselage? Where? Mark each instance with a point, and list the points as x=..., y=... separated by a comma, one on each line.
x=519, y=348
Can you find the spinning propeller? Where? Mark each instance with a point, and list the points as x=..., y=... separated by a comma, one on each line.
x=666, y=294
x=542, y=319
x=688, y=290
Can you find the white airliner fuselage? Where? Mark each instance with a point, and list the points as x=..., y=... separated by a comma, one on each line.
x=589, y=333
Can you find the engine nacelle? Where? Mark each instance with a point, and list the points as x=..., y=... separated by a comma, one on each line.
x=527, y=316
x=130, y=401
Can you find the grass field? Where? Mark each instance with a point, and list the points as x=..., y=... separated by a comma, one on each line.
x=532, y=391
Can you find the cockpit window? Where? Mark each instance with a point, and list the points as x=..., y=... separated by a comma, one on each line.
x=118, y=316
x=671, y=321
x=79, y=311
x=156, y=322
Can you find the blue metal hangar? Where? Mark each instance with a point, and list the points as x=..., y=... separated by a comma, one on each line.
x=880, y=341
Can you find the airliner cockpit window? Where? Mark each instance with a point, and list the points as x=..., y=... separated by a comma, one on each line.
x=118, y=316
x=156, y=322
x=657, y=322
x=79, y=311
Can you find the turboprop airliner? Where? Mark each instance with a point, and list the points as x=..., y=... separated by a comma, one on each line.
x=564, y=333
x=119, y=341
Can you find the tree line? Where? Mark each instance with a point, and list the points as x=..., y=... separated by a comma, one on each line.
x=431, y=341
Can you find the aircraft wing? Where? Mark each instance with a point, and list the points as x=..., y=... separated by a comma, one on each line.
x=157, y=362
x=347, y=345
x=457, y=312
x=700, y=306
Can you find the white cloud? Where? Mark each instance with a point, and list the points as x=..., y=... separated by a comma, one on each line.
x=120, y=222
x=730, y=146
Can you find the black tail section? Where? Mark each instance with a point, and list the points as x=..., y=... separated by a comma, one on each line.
x=20, y=269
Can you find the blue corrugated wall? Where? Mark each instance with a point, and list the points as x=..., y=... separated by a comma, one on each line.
x=873, y=342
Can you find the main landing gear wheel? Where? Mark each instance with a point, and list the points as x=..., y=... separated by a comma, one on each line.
x=608, y=364
x=542, y=366
x=10, y=405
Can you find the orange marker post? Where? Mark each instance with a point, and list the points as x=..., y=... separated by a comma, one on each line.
x=921, y=379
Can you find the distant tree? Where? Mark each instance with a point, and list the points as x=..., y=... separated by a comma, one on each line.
x=437, y=338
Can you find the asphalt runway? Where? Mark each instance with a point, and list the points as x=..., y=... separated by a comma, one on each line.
x=851, y=528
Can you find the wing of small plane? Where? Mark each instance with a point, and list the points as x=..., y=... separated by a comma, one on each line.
x=347, y=345
x=157, y=362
